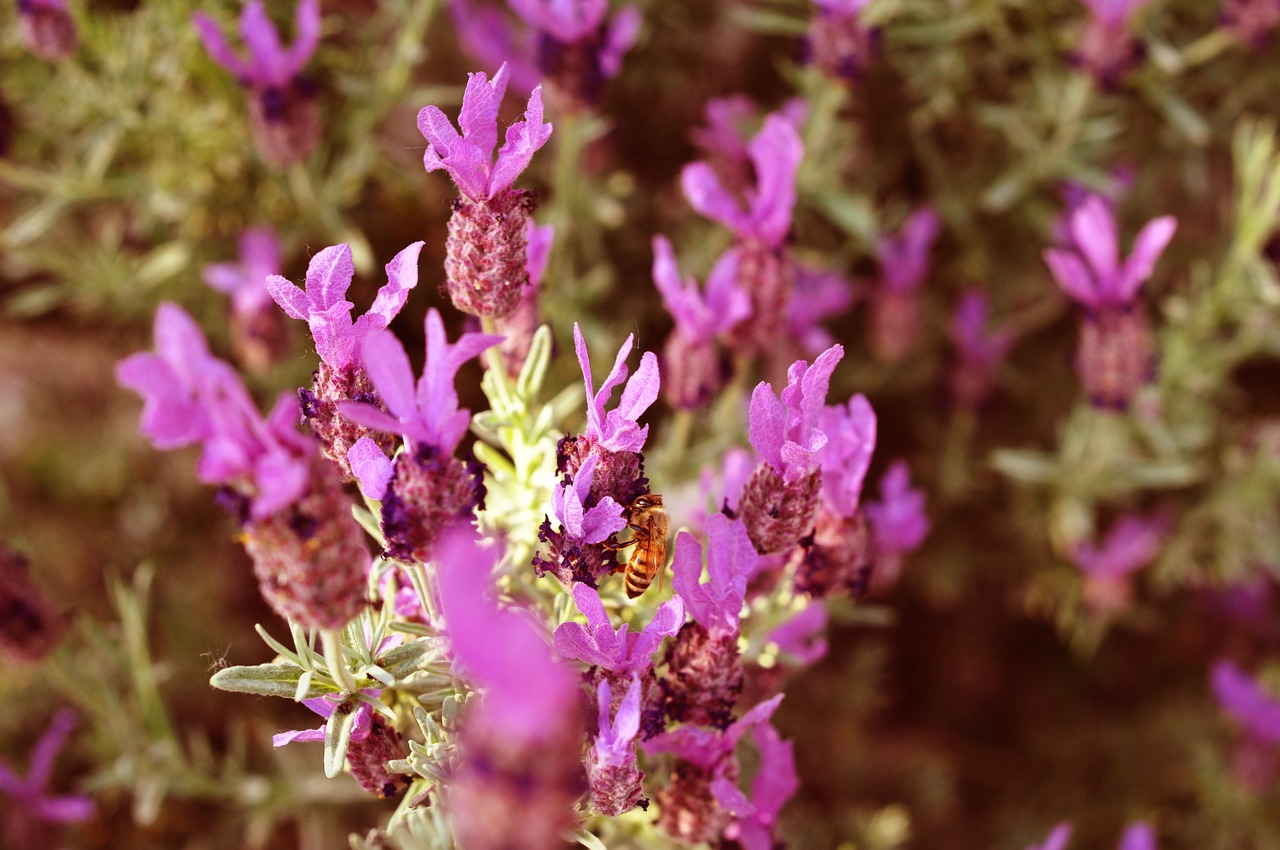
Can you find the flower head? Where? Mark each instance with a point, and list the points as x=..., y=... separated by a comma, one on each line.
x=594, y=525
x=700, y=316
x=469, y=157
x=775, y=782
x=598, y=644
x=979, y=345
x=819, y=294
x=711, y=749
x=898, y=521
x=490, y=36
x=323, y=306
x=245, y=280
x=269, y=63
x=731, y=560
x=765, y=216
x=47, y=28
x=785, y=431
x=1091, y=273
x=904, y=260
x=1246, y=702
x=427, y=415
x=617, y=429
x=34, y=807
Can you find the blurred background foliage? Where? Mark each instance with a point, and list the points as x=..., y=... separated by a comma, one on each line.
x=972, y=705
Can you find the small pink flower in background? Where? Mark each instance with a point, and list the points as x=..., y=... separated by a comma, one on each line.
x=980, y=349
x=486, y=32
x=819, y=294
x=282, y=102
x=1138, y=836
x=1107, y=48
x=899, y=523
x=1056, y=840
x=896, y=320
x=837, y=42
x=486, y=252
x=47, y=28
x=1252, y=22
x=1255, y=761
x=257, y=329
x=30, y=810
x=774, y=784
x=1132, y=543
x=725, y=136
x=578, y=49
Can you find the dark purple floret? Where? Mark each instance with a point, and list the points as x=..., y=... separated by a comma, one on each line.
x=706, y=676
x=572, y=560
x=367, y=758
x=837, y=557
x=618, y=474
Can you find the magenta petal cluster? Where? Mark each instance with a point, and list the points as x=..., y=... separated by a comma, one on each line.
x=245, y=280
x=898, y=521
x=1133, y=543
x=1091, y=273
x=846, y=456
x=904, y=259
x=700, y=316
x=731, y=561
x=598, y=644
x=189, y=396
x=325, y=706
x=323, y=305
x=802, y=637
x=765, y=216
x=594, y=525
x=468, y=157
x=615, y=742
x=774, y=783
x=711, y=749
x=32, y=798
x=617, y=429
x=427, y=415
x=269, y=63
x=1247, y=703
x=785, y=431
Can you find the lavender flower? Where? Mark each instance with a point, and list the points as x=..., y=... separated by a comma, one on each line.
x=1115, y=354
x=801, y=638
x=695, y=806
x=725, y=136
x=519, y=768
x=1107, y=48
x=898, y=521
x=257, y=331
x=428, y=487
x=486, y=265
x=1138, y=836
x=760, y=221
x=597, y=643
x=838, y=43
x=612, y=773
x=1245, y=702
x=373, y=743
x=578, y=50
x=323, y=306
x=491, y=37
x=819, y=294
x=980, y=350
x=47, y=28
x=695, y=367
x=33, y=808
x=30, y=626
x=282, y=103
x=1132, y=544
x=781, y=497
x=578, y=551
x=896, y=317
x=1056, y=840
x=774, y=784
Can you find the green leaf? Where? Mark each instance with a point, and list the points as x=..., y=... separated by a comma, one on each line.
x=589, y=839
x=268, y=680
x=337, y=736
x=407, y=658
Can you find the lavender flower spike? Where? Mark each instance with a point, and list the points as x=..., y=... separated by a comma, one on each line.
x=904, y=260
x=617, y=430
x=577, y=49
x=846, y=456
x=469, y=158
x=257, y=328
x=784, y=430
x=611, y=763
x=598, y=644
x=731, y=559
x=898, y=521
x=34, y=808
x=700, y=316
x=1247, y=703
x=282, y=104
x=1092, y=274
x=593, y=525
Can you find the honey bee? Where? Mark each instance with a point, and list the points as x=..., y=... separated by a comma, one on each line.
x=649, y=526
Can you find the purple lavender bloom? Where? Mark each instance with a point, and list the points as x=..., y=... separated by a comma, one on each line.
x=47, y=28
x=837, y=42
x=1056, y=840
x=245, y=280
x=1107, y=48
x=189, y=396
x=428, y=415
x=468, y=158
x=1132, y=544
x=711, y=749
x=526, y=693
x=1247, y=703
x=488, y=35
x=846, y=456
x=731, y=560
x=282, y=105
x=323, y=306
x=765, y=216
x=774, y=784
x=700, y=316
x=578, y=50
x=725, y=136
x=1250, y=21
x=594, y=525
x=1092, y=274
x=898, y=521
x=612, y=772
x=904, y=260
x=801, y=637
x=819, y=294
x=784, y=430
x=597, y=643
x=1138, y=836
x=979, y=345
x=34, y=807
x=617, y=429
x=324, y=706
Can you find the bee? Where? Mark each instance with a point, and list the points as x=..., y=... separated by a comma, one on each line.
x=649, y=526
